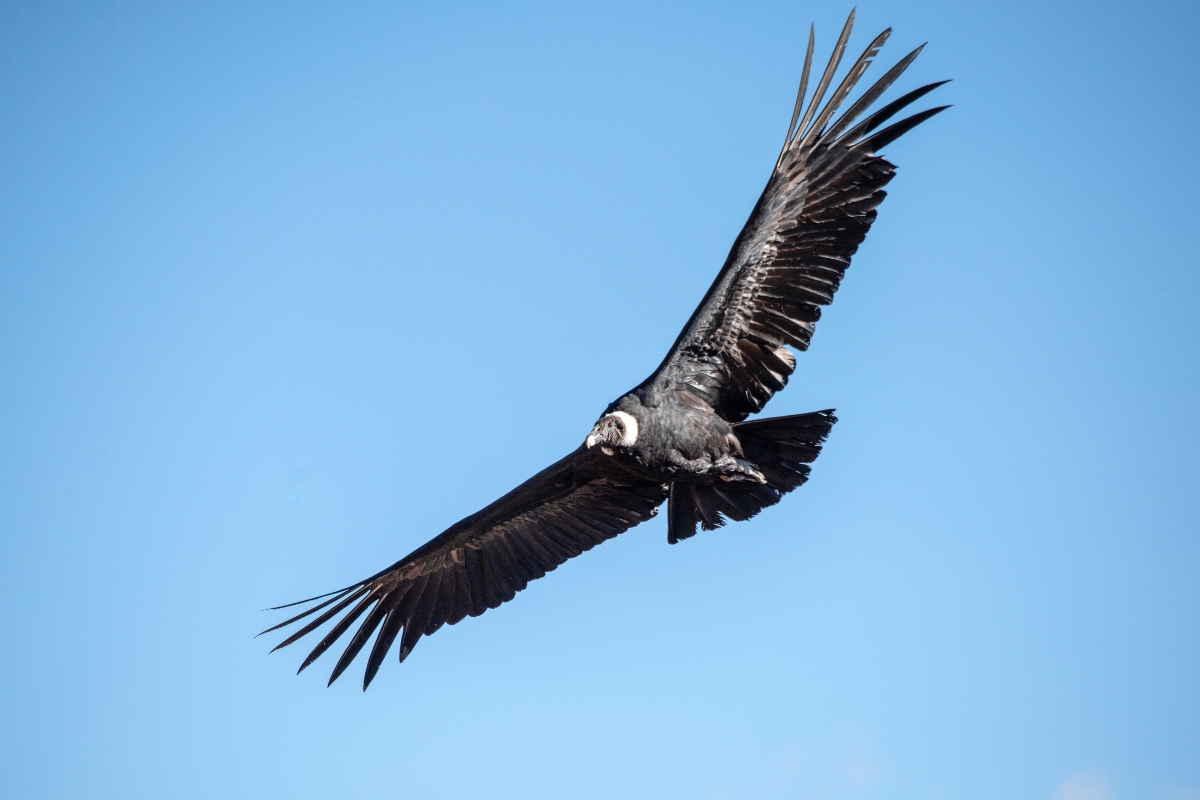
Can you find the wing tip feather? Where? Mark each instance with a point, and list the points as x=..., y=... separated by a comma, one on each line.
x=877, y=141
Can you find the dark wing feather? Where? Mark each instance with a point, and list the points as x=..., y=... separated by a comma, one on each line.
x=483, y=560
x=791, y=255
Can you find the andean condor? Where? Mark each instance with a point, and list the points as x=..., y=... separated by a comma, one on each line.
x=681, y=436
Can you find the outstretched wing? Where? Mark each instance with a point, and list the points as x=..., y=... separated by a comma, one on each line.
x=793, y=251
x=481, y=561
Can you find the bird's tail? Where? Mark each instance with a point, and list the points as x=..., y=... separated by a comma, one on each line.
x=781, y=447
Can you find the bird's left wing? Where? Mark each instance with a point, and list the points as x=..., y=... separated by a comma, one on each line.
x=791, y=255
x=481, y=561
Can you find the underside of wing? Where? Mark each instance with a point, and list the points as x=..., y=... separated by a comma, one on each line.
x=791, y=255
x=480, y=562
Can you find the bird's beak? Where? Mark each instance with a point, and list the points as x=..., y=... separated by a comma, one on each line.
x=593, y=437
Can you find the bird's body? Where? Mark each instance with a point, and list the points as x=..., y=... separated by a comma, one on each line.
x=681, y=436
x=658, y=437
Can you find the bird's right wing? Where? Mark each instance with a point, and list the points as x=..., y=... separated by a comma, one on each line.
x=483, y=560
x=790, y=257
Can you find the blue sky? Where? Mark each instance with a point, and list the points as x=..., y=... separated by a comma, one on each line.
x=287, y=289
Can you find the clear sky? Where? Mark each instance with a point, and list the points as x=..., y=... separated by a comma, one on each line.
x=286, y=289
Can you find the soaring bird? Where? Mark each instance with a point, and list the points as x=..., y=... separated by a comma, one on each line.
x=681, y=436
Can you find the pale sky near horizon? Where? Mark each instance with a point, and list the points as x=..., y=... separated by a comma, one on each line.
x=286, y=289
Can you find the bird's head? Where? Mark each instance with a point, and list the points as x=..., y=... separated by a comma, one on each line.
x=616, y=429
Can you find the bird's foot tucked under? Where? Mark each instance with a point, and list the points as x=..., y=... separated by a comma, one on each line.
x=732, y=469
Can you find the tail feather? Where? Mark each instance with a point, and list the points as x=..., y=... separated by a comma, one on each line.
x=682, y=514
x=781, y=447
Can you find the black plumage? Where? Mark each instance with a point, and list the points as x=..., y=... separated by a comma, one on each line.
x=681, y=436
